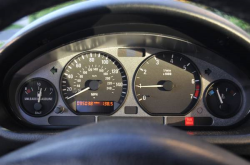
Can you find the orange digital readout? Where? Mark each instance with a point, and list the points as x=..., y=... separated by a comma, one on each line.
x=95, y=103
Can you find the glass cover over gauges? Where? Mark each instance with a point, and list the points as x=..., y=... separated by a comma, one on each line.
x=167, y=83
x=38, y=97
x=223, y=98
x=93, y=82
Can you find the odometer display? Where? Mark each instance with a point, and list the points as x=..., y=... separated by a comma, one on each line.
x=93, y=82
x=167, y=83
x=95, y=106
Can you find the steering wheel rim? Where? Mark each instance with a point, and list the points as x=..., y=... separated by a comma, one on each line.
x=122, y=142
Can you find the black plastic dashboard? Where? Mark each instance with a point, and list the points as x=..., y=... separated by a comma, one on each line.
x=217, y=48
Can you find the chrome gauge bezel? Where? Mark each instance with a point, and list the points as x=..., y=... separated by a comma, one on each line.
x=189, y=108
x=105, y=54
x=19, y=96
x=211, y=110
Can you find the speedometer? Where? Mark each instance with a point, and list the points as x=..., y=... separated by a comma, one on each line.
x=93, y=83
x=167, y=83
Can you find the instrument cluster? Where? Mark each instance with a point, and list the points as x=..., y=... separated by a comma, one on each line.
x=174, y=83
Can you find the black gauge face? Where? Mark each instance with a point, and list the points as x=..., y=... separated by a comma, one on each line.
x=93, y=82
x=167, y=83
x=38, y=97
x=223, y=99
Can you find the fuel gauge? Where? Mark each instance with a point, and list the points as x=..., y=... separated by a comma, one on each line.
x=38, y=97
x=223, y=99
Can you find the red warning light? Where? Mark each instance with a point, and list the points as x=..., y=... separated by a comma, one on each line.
x=28, y=91
x=196, y=94
x=189, y=121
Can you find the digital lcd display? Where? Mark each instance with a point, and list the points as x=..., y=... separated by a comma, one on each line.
x=131, y=52
x=95, y=106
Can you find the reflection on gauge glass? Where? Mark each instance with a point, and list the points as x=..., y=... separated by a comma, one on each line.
x=167, y=83
x=223, y=98
x=38, y=97
x=93, y=82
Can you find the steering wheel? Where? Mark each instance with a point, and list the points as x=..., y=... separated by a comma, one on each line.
x=122, y=142
x=117, y=141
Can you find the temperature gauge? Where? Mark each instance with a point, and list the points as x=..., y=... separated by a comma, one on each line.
x=38, y=97
x=223, y=99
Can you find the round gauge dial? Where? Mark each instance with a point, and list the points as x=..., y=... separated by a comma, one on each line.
x=93, y=82
x=223, y=99
x=167, y=83
x=38, y=97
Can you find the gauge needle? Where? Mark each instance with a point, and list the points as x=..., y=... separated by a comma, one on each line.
x=149, y=86
x=218, y=93
x=84, y=90
x=39, y=95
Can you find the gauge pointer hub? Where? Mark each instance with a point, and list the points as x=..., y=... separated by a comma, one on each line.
x=94, y=84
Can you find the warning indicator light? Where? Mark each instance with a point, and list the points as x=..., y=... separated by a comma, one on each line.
x=189, y=121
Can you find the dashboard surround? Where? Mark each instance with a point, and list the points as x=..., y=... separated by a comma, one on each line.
x=110, y=43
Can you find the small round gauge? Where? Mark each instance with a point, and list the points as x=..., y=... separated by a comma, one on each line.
x=38, y=97
x=167, y=83
x=93, y=83
x=223, y=98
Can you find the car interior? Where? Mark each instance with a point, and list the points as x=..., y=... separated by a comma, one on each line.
x=126, y=82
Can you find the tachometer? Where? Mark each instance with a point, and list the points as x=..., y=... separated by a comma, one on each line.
x=167, y=83
x=93, y=82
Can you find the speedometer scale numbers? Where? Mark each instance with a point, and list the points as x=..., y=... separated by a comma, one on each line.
x=167, y=83
x=94, y=82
